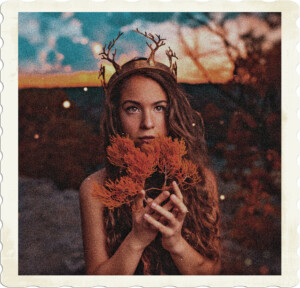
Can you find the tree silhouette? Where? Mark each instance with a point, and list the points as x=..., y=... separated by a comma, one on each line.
x=251, y=146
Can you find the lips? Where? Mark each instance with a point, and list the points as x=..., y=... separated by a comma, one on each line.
x=146, y=139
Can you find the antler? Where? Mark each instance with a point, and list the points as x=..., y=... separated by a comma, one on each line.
x=173, y=67
x=105, y=54
x=158, y=43
x=102, y=73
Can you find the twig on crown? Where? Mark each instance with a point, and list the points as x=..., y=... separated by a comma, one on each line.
x=170, y=55
x=158, y=43
x=173, y=66
x=106, y=56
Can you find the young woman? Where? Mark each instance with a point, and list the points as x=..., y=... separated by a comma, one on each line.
x=175, y=232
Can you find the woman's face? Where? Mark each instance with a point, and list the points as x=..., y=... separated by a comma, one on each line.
x=142, y=110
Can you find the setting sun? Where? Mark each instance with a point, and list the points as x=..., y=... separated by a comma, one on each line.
x=97, y=48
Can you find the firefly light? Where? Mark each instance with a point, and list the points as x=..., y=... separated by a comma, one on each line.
x=66, y=104
x=248, y=262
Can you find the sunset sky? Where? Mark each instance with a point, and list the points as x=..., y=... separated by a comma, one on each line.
x=61, y=49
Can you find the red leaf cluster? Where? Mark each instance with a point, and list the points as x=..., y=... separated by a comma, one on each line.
x=163, y=155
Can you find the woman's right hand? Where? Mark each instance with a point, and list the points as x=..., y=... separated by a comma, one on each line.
x=142, y=232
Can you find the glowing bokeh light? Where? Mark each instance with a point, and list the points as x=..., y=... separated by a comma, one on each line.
x=194, y=124
x=85, y=89
x=222, y=197
x=66, y=104
x=97, y=48
x=248, y=262
x=264, y=270
x=36, y=136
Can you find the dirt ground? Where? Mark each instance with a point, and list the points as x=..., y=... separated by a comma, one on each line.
x=50, y=240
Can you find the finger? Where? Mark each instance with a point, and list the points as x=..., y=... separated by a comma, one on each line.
x=177, y=190
x=159, y=199
x=149, y=200
x=165, y=213
x=168, y=206
x=158, y=217
x=151, y=212
x=162, y=197
x=159, y=226
x=182, y=209
x=139, y=199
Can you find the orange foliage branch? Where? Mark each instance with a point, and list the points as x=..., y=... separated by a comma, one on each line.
x=162, y=155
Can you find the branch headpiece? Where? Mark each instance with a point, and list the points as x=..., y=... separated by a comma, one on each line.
x=136, y=63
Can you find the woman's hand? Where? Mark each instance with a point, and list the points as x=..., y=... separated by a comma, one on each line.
x=142, y=233
x=171, y=231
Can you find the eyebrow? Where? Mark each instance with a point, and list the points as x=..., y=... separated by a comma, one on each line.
x=137, y=103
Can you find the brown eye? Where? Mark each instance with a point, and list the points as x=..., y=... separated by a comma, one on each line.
x=160, y=108
x=132, y=109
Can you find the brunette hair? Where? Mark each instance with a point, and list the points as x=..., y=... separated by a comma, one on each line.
x=201, y=225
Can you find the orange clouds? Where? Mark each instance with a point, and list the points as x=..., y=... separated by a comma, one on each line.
x=90, y=78
x=202, y=55
x=76, y=79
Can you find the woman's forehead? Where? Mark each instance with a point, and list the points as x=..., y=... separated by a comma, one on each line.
x=141, y=87
x=139, y=79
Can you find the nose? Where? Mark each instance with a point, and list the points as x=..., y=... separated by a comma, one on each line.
x=147, y=120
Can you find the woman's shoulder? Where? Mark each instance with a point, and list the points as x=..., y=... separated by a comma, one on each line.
x=89, y=182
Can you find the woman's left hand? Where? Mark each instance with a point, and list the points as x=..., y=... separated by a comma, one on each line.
x=171, y=225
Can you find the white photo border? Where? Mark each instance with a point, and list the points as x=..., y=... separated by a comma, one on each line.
x=9, y=144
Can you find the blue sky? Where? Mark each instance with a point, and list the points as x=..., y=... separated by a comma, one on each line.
x=68, y=33
x=51, y=43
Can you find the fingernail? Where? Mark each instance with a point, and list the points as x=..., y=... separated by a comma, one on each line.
x=153, y=205
x=166, y=193
x=173, y=196
x=146, y=215
x=174, y=183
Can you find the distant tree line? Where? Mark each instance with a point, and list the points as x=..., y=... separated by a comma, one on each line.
x=54, y=142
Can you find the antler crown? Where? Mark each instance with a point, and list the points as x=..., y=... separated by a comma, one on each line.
x=136, y=63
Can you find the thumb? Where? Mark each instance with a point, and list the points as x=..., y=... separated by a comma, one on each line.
x=139, y=200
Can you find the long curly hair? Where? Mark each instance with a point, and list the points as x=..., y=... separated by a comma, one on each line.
x=201, y=225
